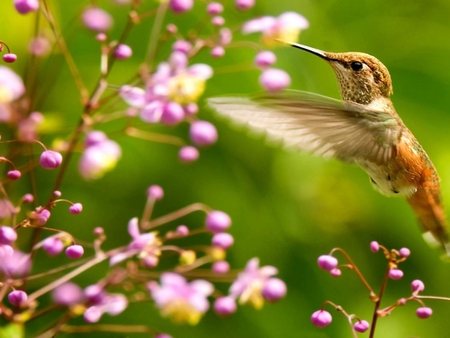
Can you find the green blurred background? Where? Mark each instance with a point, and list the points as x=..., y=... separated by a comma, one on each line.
x=287, y=208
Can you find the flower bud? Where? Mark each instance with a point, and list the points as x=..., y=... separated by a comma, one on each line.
x=274, y=289
x=123, y=52
x=17, y=297
x=74, y=251
x=50, y=159
x=217, y=221
x=321, y=318
x=225, y=306
x=361, y=326
x=203, y=133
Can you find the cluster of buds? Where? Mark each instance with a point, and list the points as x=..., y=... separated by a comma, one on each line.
x=323, y=318
x=140, y=264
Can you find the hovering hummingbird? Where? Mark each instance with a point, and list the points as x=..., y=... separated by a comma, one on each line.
x=363, y=129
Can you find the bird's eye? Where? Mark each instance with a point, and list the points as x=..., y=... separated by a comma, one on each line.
x=356, y=65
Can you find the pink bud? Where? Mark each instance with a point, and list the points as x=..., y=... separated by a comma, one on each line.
x=223, y=240
x=74, y=251
x=123, y=52
x=361, y=326
x=203, y=133
x=217, y=51
x=14, y=174
x=26, y=6
x=17, y=297
x=321, y=318
x=50, y=159
x=221, y=267
x=97, y=19
x=395, y=274
x=327, y=262
x=214, y=8
x=265, y=59
x=155, y=192
x=404, y=252
x=181, y=6
x=9, y=57
x=424, y=312
x=417, y=285
x=244, y=4
x=274, y=289
x=274, y=80
x=217, y=221
x=225, y=306
x=374, y=246
x=76, y=208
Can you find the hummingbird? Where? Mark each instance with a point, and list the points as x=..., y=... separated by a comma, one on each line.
x=362, y=129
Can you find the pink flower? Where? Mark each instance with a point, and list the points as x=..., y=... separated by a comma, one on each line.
x=11, y=85
x=145, y=245
x=100, y=156
x=250, y=283
x=286, y=27
x=103, y=302
x=179, y=300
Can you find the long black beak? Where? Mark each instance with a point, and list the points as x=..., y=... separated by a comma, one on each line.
x=318, y=52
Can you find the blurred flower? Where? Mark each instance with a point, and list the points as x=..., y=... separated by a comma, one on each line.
x=286, y=27
x=6, y=208
x=14, y=263
x=39, y=46
x=221, y=267
x=244, y=4
x=53, y=245
x=11, y=86
x=97, y=19
x=274, y=80
x=26, y=6
x=249, y=284
x=103, y=302
x=68, y=294
x=172, y=85
x=179, y=300
x=100, y=156
x=265, y=59
x=146, y=246
x=181, y=6
x=214, y=8
x=188, y=154
x=7, y=235
x=28, y=128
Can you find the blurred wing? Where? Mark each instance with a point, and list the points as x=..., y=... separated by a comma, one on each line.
x=316, y=123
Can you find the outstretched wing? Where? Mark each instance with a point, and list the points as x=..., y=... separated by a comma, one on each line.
x=315, y=123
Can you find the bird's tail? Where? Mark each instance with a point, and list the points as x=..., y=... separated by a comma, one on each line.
x=429, y=209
